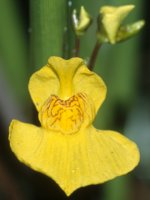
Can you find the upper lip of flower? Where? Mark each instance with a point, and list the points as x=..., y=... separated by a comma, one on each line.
x=66, y=78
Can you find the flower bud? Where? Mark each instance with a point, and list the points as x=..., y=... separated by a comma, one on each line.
x=82, y=22
x=110, y=19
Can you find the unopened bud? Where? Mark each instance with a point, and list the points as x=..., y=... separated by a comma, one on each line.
x=82, y=22
x=110, y=20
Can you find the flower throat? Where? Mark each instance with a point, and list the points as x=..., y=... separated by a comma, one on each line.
x=65, y=116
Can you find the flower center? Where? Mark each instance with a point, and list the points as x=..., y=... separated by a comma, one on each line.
x=63, y=115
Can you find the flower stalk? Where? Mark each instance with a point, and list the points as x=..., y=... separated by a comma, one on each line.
x=77, y=47
x=80, y=24
x=94, y=55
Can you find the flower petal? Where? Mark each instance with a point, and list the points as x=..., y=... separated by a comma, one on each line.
x=24, y=140
x=96, y=157
x=89, y=157
x=86, y=81
x=66, y=78
x=42, y=84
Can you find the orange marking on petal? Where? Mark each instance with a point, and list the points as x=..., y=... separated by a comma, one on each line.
x=63, y=115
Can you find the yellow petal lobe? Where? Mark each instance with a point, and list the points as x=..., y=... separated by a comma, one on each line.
x=73, y=161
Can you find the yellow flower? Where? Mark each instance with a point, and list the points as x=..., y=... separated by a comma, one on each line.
x=67, y=147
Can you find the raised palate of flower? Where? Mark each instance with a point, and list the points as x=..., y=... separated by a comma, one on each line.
x=67, y=147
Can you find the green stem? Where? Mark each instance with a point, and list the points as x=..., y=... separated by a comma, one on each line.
x=48, y=19
x=13, y=48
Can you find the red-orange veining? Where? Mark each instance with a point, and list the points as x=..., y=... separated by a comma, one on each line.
x=63, y=115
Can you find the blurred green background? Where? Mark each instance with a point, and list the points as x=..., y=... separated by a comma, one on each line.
x=30, y=32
